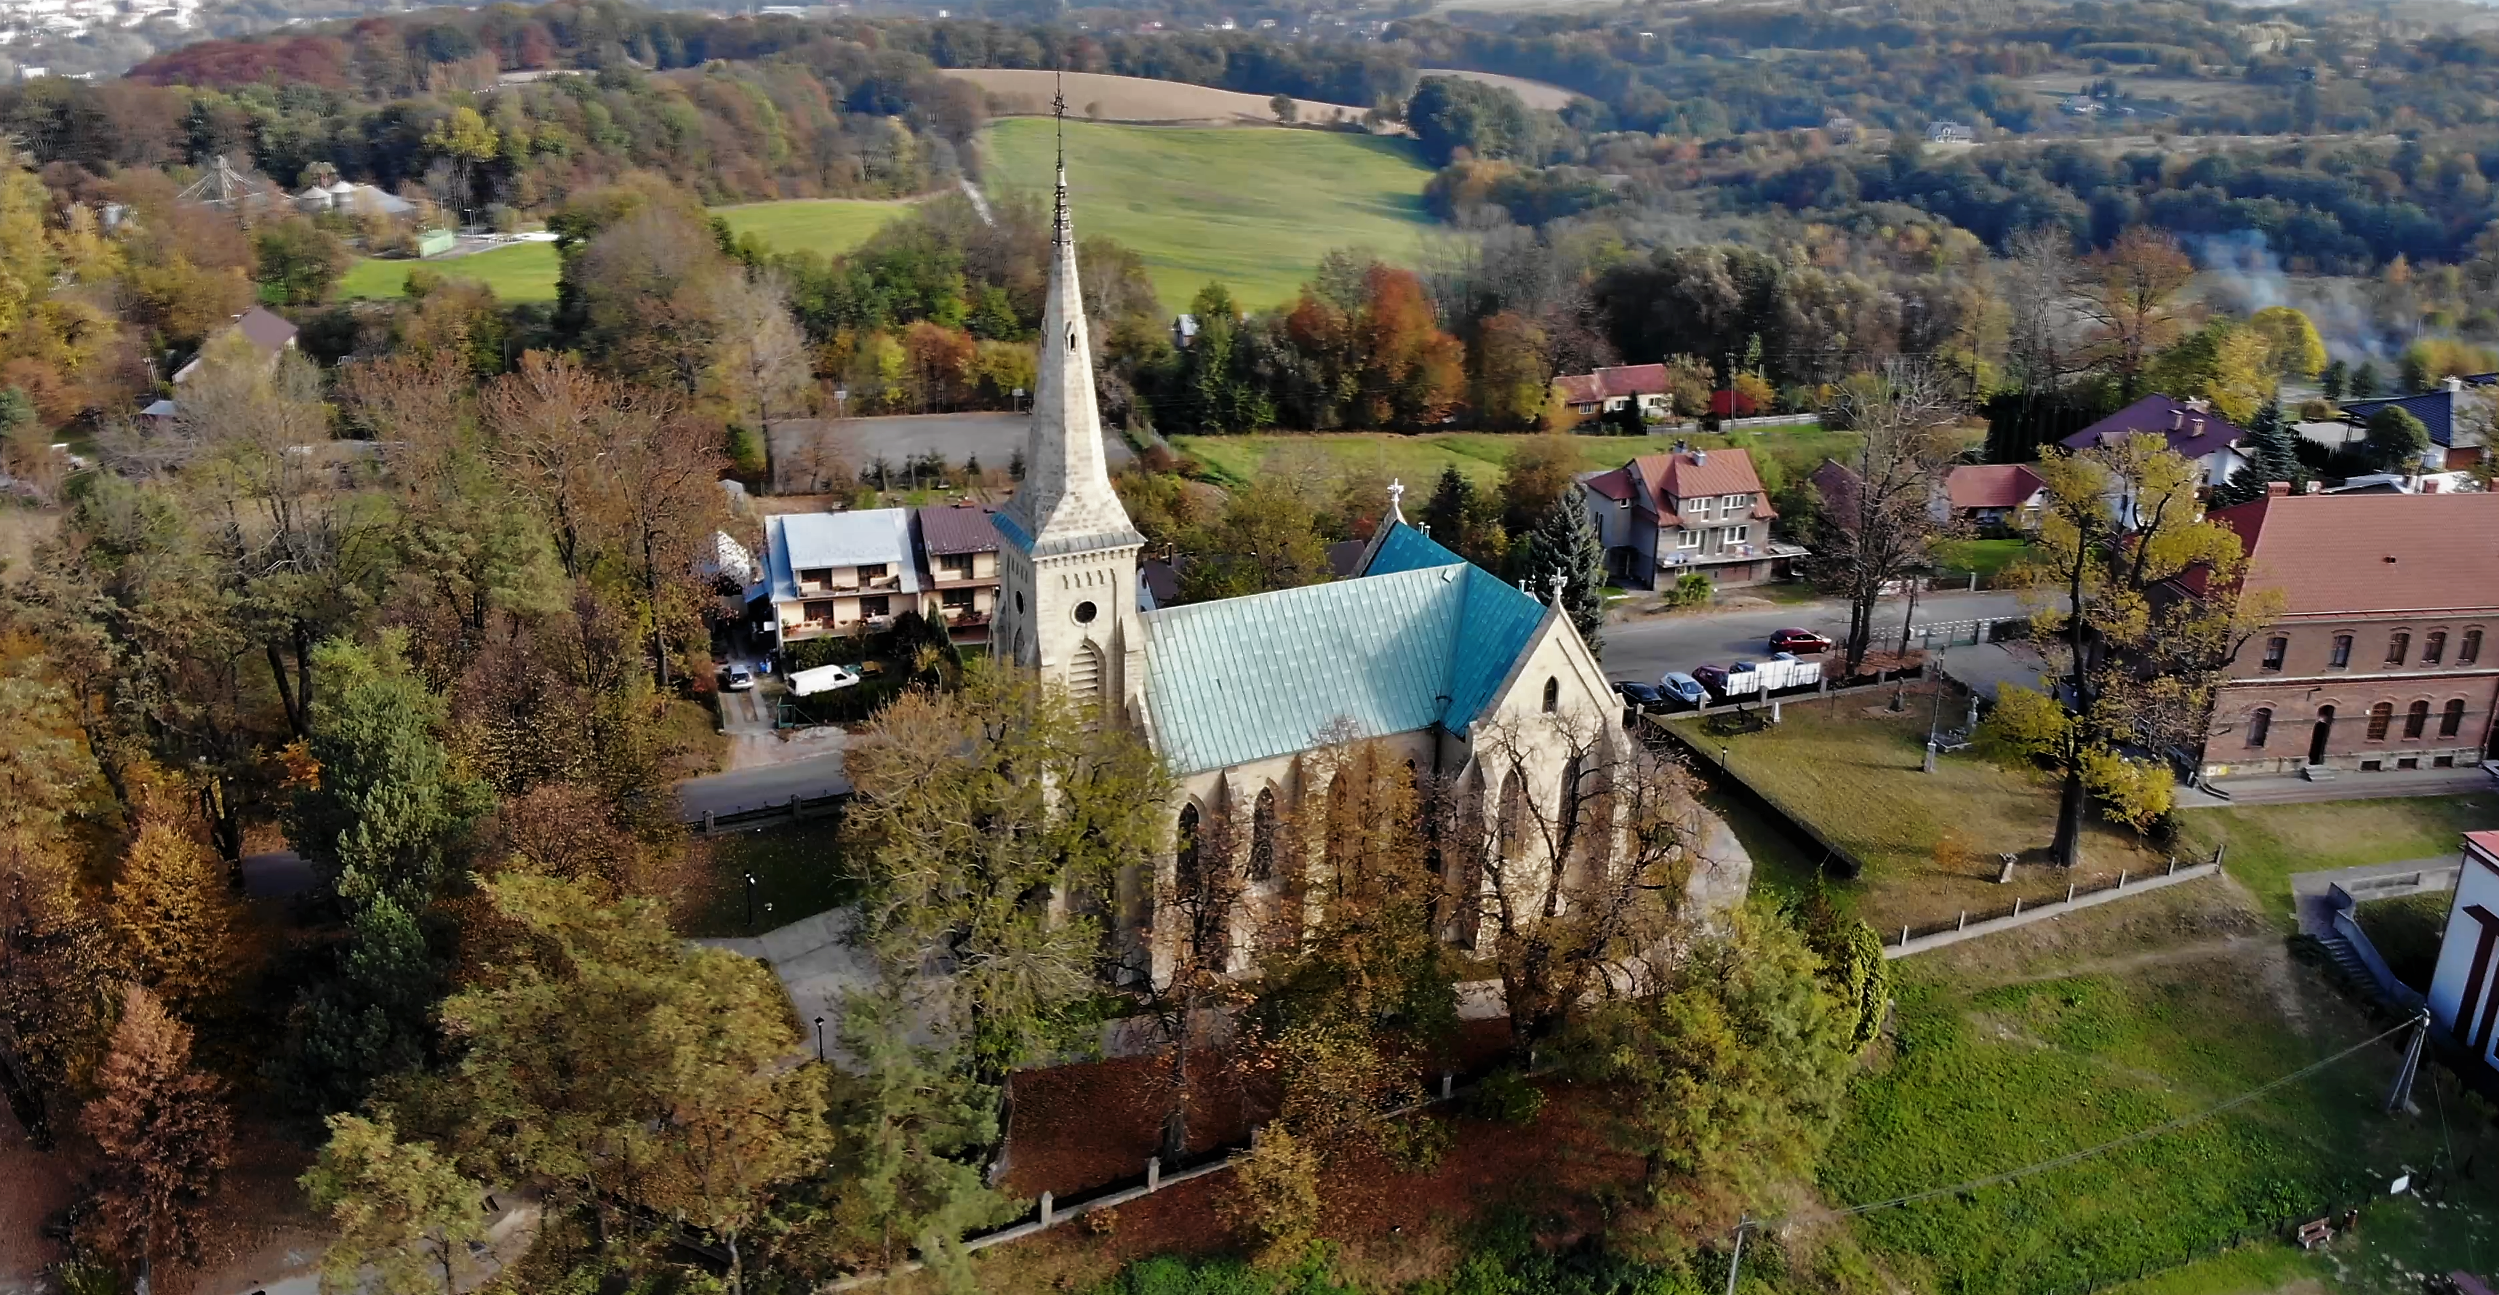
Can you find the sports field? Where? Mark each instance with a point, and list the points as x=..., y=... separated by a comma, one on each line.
x=521, y=272
x=527, y=271
x=1253, y=209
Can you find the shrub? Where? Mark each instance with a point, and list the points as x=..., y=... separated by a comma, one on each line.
x=1693, y=590
x=1508, y=1097
x=1415, y=1143
x=1276, y=1196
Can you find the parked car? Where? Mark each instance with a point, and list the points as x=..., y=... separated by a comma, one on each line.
x=1712, y=677
x=1682, y=687
x=1639, y=696
x=1796, y=639
x=737, y=678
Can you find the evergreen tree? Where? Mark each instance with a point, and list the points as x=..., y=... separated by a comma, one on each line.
x=1564, y=544
x=2272, y=455
x=372, y=1017
x=2336, y=380
x=385, y=805
x=2364, y=380
x=174, y=914
x=1466, y=520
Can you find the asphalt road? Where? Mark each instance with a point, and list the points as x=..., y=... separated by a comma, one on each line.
x=1646, y=648
x=772, y=784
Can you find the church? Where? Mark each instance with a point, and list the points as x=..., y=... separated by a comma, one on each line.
x=1419, y=649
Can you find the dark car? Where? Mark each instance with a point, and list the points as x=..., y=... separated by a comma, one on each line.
x=1640, y=696
x=1712, y=677
x=1798, y=640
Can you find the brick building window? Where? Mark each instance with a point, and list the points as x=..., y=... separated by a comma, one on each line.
x=2416, y=719
x=2451, y=720
x=2434, y=648
x=2276, y=648
x=2381, y=718
x=2259, y=723
x=2470, y=650
x=2342, y=652
x=2398, y=646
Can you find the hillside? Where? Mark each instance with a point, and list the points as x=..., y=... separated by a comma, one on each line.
x=1253, y=209
x=1100, y=97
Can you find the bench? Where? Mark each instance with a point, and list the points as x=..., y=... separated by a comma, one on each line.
x=2315, y=1233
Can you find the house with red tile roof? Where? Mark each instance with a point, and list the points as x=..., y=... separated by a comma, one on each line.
x=1661, y=515
x=959, y=554
x=1609, y=389
x=2385, y=656
x=1994, y=496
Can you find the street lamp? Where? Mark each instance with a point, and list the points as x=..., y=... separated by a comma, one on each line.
x=750, y=903
x=819, y=1039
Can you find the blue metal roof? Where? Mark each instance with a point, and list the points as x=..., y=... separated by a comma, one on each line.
x=2435, y=409
x=1406, y=549
x=1245, y=679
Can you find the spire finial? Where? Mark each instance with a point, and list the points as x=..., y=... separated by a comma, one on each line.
x=1060, y=234
x=1396, y=492
x=1557, y=581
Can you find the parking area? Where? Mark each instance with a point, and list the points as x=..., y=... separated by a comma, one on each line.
x=993, y=438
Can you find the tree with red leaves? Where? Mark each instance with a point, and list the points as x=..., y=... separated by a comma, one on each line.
x=165, y=1133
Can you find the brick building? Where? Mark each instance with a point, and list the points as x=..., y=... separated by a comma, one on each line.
x=2386, y=656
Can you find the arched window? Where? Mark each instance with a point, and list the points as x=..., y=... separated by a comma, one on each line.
x=2470, y=650
x=2381, y=718
x=2342, y=652
x=1466, y=873
x=2451, y=720
x=2398, y=645
x=1185, y=853
x=2434, y=648
x=1084, y=675
x=2416, y=719
x=1553, y=695
x=1262, y=860
x=2259, y=723
x=1511, y=830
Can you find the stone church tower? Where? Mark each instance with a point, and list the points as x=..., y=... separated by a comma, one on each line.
x=1067, y=598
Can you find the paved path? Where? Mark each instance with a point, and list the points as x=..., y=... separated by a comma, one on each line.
x=817, y=965
x=2308, y=889
x=1647, y=647
x=2346, y=784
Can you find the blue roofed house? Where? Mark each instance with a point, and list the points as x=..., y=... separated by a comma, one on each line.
x=2455, y=418
x=1246, y=698
x=838, y=573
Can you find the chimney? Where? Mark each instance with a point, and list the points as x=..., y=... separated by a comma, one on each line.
x=2315, y=486
x=1699, y=457
x=2277, y=488
x=2454, y=383
x=2177, y=418
x=2196, y=427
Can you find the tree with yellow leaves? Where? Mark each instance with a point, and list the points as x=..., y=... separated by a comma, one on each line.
x=173, y=913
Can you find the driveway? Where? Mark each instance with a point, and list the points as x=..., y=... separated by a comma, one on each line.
x=1649, y=646
x=812, y=775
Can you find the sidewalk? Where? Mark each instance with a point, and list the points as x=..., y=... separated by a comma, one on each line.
x=2308, y=889
x=2346, y=784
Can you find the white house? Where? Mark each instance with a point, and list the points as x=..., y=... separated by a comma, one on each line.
x=839, y=573
x=2464, y=1003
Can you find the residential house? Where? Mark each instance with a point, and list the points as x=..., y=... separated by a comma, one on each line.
x=839, y=573
x=1993, y=496
x=1607, y=390
x=269, y=332
x=353, y=198
x=2463, y=1001
x=2383, y=655
x=1840, y=128
x=2452, y=415
x=2191, y=427
x=1693, y=510
x=1949, y=132
x=960, y=547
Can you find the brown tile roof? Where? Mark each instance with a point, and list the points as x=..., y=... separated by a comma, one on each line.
x=1991, y=485
x=1698, y=472
x=1615, y=485
x=1607, y=383
x=267, y=329
x=957, y=528
x=1837, y=483
x=2362, y=554
x=1580, y=388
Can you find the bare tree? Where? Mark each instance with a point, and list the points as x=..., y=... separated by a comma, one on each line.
x=1886, y=521
x=1587, y=843
x=2037, y=279
x=2126, y=292
x=823, y=456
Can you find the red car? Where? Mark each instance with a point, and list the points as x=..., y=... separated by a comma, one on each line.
x=1803, y=642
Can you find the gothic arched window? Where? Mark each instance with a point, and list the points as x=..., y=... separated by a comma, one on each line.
x=1262, y=854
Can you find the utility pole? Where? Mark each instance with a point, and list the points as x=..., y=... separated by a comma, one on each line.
x=2400, y=1098
x=1736, y=1264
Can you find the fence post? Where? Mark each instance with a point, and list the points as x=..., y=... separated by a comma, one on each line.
x=1904, y=935
x=2121, y=879
x=1153, y=1173
x=1964, y=923
x=2173, y=865
x=1448, y=1084
x=1255, y=1131
x=795, y=814
x=711, y=822
x=1049, y=1214
x=2017, y=906
x=2069, y=892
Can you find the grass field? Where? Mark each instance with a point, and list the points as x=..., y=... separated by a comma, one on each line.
x=827, y=225
x=2267, y=843
x=798, y=871
x=1989, y=558
x=2003, y=1058
x=520, y=272
x=1419, y=460
x=1100, y=96
x=1253, y=209
x=1930, y=841
x=2407, y=933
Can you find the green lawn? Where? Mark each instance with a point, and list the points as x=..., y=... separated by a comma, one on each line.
x=1419, y=460
x=798, y=871
x=1930, y=841
x=1984, y=1077
x=520, y=272
x=827, y=225
x=1251, y=208
x=2407, y=932
x=1987, y=557
x=2267, y=843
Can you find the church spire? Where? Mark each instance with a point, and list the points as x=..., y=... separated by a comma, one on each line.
x=1065, y=503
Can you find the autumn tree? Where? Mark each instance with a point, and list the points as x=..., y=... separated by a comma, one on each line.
x=164, y=1133
x=1567, y=865
x=401, y=1210
x=173, y=912
x=2227, y=363
x=300, y=262
x=1466, y=520
x=1539, y=472
x=1266, y=538
x=2141, y=656
x=2127, y=292
x=1511, y=383
x=2293, y=351
x=56, y=960
x=1883, y=525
